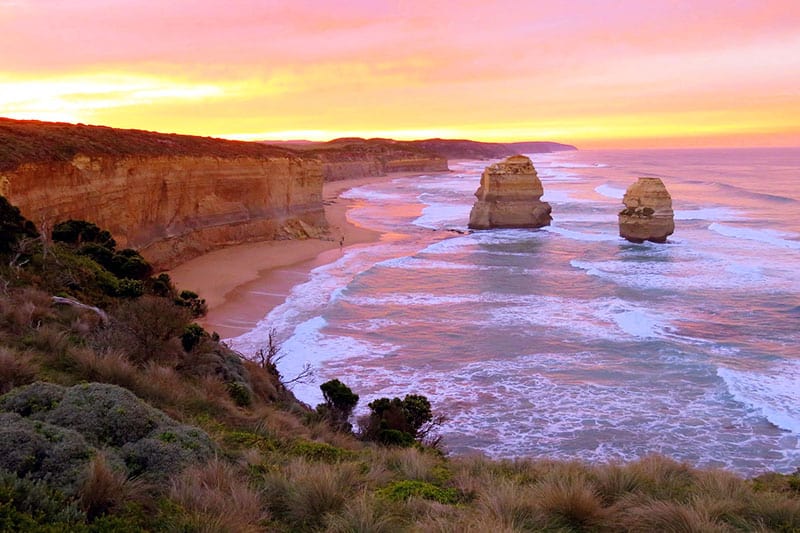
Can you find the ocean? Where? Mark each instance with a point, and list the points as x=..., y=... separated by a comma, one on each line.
x=569, y=342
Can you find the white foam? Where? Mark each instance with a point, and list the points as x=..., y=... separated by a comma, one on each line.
x=638, y=323
x=581, y=236
x=774, y=393
x=438, y=216
x=368, y=193
x=708, y=213
x=609, y=191
x=766, y=236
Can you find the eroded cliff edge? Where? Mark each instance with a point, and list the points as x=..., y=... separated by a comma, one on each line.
x=172, y=197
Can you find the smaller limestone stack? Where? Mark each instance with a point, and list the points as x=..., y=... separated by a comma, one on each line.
x=509, y=197
x=648, y=212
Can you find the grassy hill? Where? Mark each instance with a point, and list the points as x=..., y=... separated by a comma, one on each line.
x=118, y=413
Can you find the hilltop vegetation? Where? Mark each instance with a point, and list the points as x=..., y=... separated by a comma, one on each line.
x=33, y=141
x=119, y=413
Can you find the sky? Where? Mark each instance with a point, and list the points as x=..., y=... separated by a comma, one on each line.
x=597, y=74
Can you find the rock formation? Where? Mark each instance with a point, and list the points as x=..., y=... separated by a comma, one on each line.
x=172, y=208
x=509, y=197
x=648, y=212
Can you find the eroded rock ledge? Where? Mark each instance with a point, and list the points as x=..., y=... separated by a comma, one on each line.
x=509, y=197
x=648, y=214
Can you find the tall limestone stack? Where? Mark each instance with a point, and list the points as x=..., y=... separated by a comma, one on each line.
x=509, y=197
x=648, y=212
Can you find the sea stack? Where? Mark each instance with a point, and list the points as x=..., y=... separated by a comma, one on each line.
x=509, y=197
x=648, y=212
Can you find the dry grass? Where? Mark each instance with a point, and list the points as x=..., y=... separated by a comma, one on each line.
x=667, y=517
x=303, y=493
x=509, y=505
x=108, y=367
x=571, y=502
x=409, y=463
x=106, y=489
x=365, y=514
x=216, y=495
x=16, y=369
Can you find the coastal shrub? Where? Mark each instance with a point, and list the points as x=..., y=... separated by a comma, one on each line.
x=42, y=451
x=30, y=505
x=107, y=415
x=395, y=421
x=77, y=232
x=239, y=394
x=148, y=329
x=339, y=404
x=320, y=451
x=407, y=488
x=167, y=451
x=191, y=336
x=13, y=226
x=191, y=301
x=33, y=399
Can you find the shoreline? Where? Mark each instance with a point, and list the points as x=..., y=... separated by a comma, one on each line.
x=259, y=276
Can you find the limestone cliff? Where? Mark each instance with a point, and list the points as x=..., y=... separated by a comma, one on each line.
x=648, y=212
x=174, y=208
x=171, y=197
x=509, y=197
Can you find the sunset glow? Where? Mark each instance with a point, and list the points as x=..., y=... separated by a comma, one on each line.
x=595, y=74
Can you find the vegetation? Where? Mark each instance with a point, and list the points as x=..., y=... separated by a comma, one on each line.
x=119, y=413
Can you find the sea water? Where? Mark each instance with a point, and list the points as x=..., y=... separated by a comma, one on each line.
x=569, y=342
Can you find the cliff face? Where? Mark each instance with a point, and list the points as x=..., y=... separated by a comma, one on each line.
x=648, y=214
x=172, y=208
x=509, y=197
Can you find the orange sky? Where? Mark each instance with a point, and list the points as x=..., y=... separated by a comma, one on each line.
x=604, y=73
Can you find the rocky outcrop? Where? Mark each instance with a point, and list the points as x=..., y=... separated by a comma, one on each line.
x=172, y=197
x=648, y=212
x=174, y=208
x=509, y=197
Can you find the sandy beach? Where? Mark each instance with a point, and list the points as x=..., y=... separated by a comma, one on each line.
x=242, y=283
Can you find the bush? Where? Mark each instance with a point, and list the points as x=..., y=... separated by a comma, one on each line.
x=405, y=489
x=397, y=422
x=26, y=503
x=77, y=232
x=13, y=226
x=339, y=404
x=148, y=329
x=42, y=451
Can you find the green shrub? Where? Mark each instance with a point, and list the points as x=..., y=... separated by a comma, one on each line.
x=13, y=226
x=239, y=394
x=26, y=503
x=397, y=422
x=402, y=490
x=339, y=404
x=321, y=451
x=32, y=399
x=42, y=451
x=77, y=232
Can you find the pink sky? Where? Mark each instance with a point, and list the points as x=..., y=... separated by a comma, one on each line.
x=603, y=73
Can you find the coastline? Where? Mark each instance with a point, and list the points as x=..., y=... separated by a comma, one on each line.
x=258, y=276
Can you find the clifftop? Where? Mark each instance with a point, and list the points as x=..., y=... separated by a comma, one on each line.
x=33, y=141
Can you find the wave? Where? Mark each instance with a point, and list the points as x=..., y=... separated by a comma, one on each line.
x=580, y=236
x=708, y=213
x=766, y=236
x=609, y=191
x=774, y=395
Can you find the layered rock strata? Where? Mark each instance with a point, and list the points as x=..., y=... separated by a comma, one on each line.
x=172, y=208
x=648, y=214
x=509, y=197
